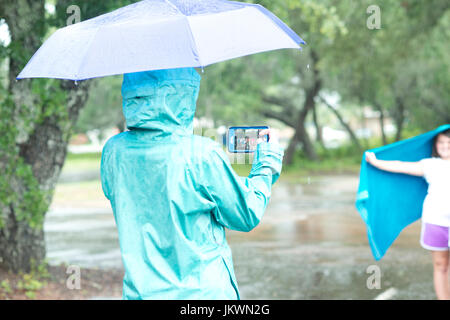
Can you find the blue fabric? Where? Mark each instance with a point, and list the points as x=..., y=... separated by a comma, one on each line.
x=174, y=193
x=388, y=202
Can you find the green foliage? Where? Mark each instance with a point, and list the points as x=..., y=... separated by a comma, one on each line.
x=88, y=9
x=35, y=279
x=229, y=93
x=19, y=188
x=51, y=101
x=345, y=158
x=31, y=204
x=233, y=91
x=103, y=108
x=319, y=20
x=404, y=61
x=5, y=285
x=7, y=150
x=28, y=283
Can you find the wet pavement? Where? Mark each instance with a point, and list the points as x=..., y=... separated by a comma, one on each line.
x=311, y=244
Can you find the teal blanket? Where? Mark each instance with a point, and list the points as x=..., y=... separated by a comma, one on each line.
x=388, y=202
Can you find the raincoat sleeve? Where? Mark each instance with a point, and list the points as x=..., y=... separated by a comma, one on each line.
x=105, y=172
x=240, y=202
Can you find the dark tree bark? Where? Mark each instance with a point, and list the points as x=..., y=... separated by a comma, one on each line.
x=319, y=136
x=379, y=108
x=295, y=121
x=286, y=115
x=399, y=117
x=301, y=135
x=19, y=243
x=40, y=144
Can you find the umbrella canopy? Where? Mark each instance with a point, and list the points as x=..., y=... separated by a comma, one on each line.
x=159, y=34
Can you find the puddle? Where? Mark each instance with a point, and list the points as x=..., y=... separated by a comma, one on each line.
x=311, y=244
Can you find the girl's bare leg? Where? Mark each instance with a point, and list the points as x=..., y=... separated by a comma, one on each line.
x=440, y=274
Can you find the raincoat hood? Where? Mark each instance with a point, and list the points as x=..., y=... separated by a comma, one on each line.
x=161, y=100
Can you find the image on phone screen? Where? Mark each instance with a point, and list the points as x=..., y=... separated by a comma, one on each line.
x=244, y=139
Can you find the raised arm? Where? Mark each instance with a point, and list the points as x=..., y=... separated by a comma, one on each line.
x=411, y=168
x=241, y=201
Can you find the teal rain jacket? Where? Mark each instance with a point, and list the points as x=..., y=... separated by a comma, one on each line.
x=173, y=192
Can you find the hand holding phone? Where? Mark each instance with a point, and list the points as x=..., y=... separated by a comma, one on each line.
x=245, y=139
x=273, y=136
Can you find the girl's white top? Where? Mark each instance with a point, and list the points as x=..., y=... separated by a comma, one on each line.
x=436, y=207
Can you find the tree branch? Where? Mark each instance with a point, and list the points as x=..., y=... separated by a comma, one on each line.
x=280, y=116
x=282, y=102
x=286, y=116
x=341, y=121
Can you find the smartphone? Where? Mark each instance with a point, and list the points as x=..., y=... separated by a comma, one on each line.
x=244, y=139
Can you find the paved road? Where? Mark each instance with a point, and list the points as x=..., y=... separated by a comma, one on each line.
x=311, y=244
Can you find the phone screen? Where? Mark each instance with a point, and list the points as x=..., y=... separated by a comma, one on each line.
x=244, y=139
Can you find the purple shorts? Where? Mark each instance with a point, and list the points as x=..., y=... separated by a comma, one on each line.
x=434, y=237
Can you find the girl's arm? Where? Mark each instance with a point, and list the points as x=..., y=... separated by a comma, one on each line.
x=411, y=168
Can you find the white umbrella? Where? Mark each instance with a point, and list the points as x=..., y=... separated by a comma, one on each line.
x=159, y=34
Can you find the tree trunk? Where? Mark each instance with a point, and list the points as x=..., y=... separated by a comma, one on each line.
x=399, y=117
x=381, y=121
x=346, y=126
x=286, y=115
x=20, y=245
x=319, y=136
x=33, y=156
x=301, y=135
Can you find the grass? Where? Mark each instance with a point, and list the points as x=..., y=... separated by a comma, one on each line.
x=26, y=283
x=52, y=283
x=85, y=194
x=81, y=162
x=343, y=160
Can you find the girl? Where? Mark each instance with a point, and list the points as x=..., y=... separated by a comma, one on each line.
x=436, y=206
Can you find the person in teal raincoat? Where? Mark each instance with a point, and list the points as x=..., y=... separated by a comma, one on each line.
x=173, y=193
